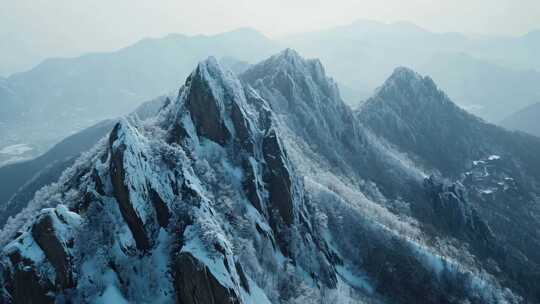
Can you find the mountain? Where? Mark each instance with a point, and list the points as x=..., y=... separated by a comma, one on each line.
x=484, y=89
x=525, y=120
x=63, y=95
x=411, y=112
x=267, y=188
x=491, y=77
x=493, y=170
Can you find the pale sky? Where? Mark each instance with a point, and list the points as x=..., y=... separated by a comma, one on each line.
x=46, y=28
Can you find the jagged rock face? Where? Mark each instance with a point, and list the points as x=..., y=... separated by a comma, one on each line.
x=38, y=263
x=195, y=283
x=309, y=101
x=152, y=201
x=122, y=192
x=453, y=213
x=278, y=177
x=206, y=110
x=259, y=190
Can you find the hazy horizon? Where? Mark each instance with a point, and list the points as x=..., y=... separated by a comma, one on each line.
x=65, y=29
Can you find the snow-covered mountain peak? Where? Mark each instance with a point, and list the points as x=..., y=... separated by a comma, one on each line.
x=291, y=62
x=406, y=88
x=292, y=74
x=407, y=79
x=405, y=73
x=212, y=103
x=288, y=55
x=219, y=80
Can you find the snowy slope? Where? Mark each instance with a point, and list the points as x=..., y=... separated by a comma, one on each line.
x=494, y=174
x=258, y=189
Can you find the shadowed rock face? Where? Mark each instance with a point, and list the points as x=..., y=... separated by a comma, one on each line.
x=44, y=234
x=121, y=192
x=24, y=285
x=35, y=275
x=253, y=187
x=194, y=283
x=453, y=213
x=162, y=211
x=277, y=178
x=206, y=111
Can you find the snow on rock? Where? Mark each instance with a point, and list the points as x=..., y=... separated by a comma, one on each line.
x=41, y=257
x=263, y=189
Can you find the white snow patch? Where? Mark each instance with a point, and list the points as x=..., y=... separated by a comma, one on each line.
x=17, y=149
x=27, y=247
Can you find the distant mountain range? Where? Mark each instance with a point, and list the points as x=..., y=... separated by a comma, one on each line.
x=265, y=187
x=62, y=95
x=491, y=77
x=526, y=120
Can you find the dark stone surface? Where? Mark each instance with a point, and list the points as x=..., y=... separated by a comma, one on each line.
x=162, y=211
x=45, y=236
x=277, y=178
x=177, y=133
x=121, y=193
x=23, y=284
x=205, y=111
x=241, y=127
x=195, y=284
x=243, y=279
x=252, y=187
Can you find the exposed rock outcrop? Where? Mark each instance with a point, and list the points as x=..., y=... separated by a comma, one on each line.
x=194, y=283
x=39, y=262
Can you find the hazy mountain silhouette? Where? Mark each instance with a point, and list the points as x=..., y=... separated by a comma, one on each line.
x=492, y=77
x=526, y=120
x=62, y=95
